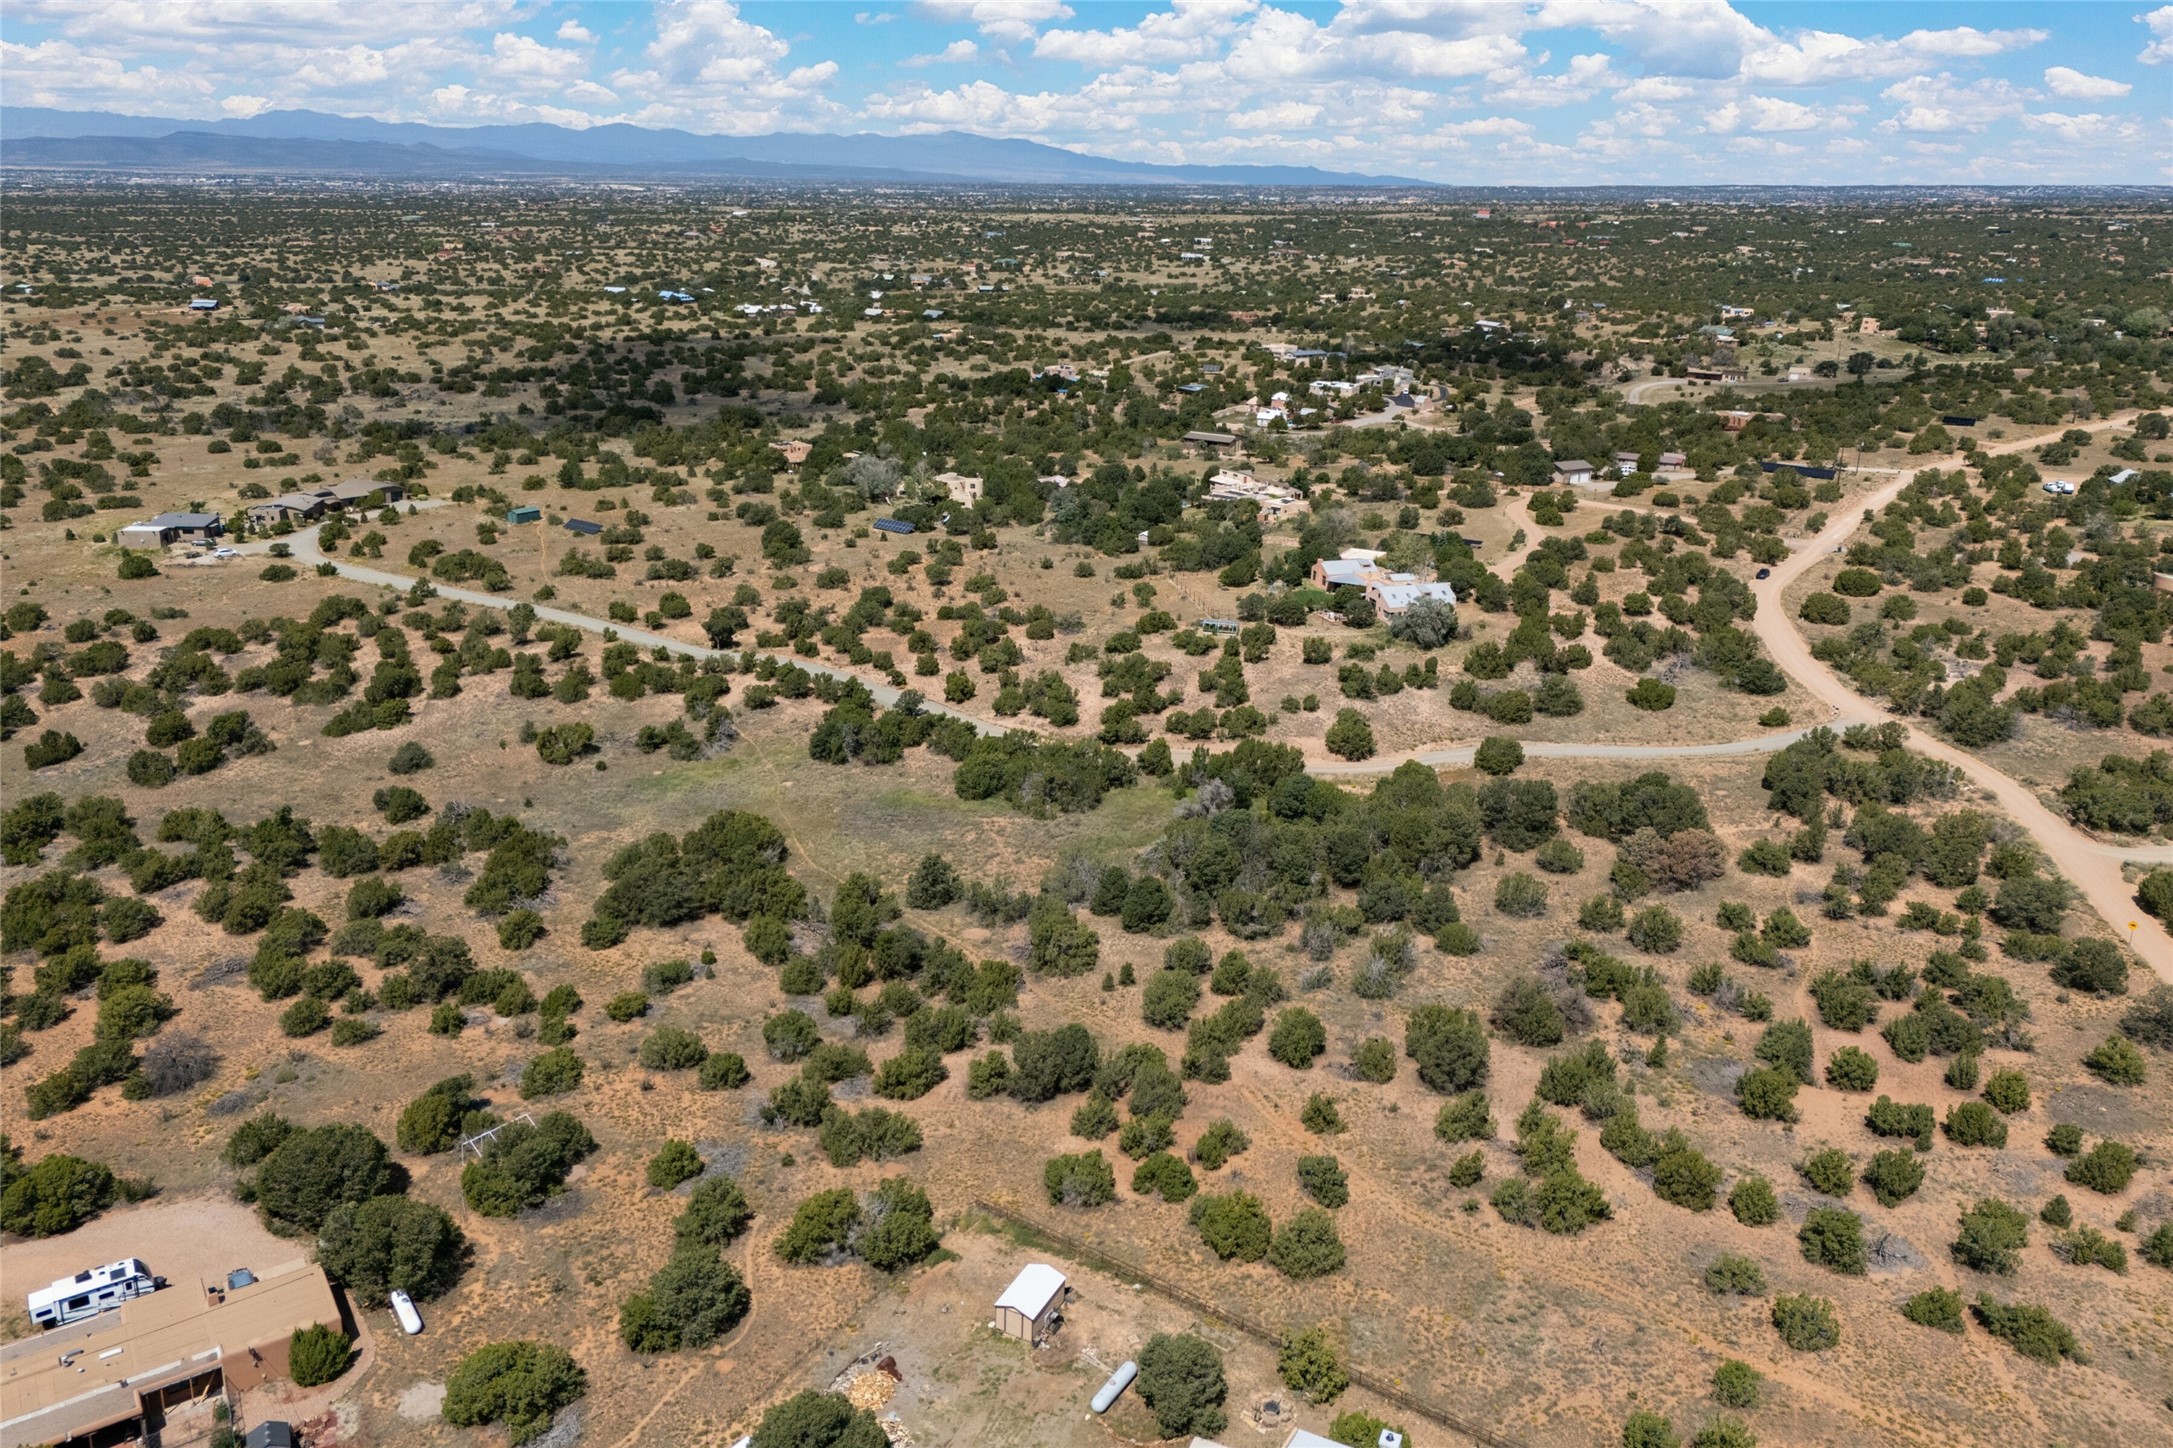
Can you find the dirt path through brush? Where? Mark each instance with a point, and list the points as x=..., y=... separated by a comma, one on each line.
x=2095, y=868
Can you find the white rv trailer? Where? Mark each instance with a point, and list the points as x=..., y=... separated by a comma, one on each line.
x=87, y=1294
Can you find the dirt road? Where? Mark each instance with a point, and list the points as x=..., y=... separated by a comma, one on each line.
x=1518, y=510
x=2093, y=867
x=304, y=546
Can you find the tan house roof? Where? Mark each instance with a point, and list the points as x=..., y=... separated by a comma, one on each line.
x=94, y=1373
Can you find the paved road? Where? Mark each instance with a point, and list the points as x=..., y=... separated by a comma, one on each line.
x=2093, y=867
x=1635, y=393
x=1382, y=418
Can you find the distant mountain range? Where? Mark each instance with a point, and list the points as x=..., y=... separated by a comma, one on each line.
x=312, y=142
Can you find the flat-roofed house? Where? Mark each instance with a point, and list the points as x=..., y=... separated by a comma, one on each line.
x=171, y=528
x=961, y=489
x=362, y=491
x=169, y=1347
x=287, y=508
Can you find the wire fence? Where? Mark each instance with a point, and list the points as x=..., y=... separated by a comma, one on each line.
x=1251, y=1326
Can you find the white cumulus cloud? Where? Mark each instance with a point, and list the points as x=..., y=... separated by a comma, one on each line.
x=1279, y=116
x=1673, y=37
x=1012, y=20
x=2075, y=86
x=1935, y=103
x=975, y=106
x=2160, y=49
x=1585, y=75
x=1822, y=57
x=1484, y=126
x=713, y=69
x=522, y=58
x=2089, y=128
x=1764, y=114
x=956, y=53
x=1189, y=30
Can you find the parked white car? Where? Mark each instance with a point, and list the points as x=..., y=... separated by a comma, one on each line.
x=226, y=553
x=403, y=1308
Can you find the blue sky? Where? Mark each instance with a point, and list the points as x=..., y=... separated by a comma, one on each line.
x=1491, y=91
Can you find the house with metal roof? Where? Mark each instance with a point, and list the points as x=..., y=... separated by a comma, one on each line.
x=1402, y=590
x=171, y=528
x=1341, y=573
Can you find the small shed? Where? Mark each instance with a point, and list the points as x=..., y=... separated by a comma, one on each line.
x=523, y=513
x=272, y=1434
x=1028, y=1307
x=1574, y=471
x=585, y=527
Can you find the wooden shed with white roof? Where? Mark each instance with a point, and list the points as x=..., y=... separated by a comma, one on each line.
x=1029, y=1306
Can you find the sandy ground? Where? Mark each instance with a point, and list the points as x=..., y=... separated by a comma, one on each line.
x=962, y=1383
x=184, y=1240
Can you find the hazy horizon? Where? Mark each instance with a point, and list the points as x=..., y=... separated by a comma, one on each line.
x=1537, y=92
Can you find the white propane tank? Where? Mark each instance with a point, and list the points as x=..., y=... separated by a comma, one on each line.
x=1114, y=1388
